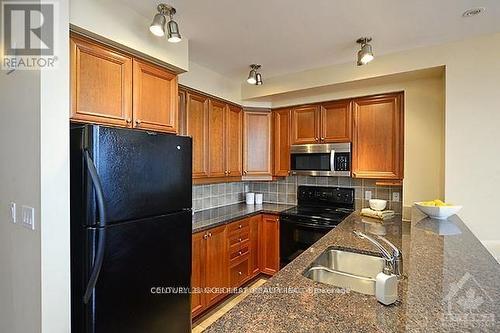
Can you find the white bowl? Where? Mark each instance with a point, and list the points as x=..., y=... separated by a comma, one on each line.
x=438, y=212
x=377, y=204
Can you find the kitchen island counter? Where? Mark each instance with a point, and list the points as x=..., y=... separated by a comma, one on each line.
x=451, y=284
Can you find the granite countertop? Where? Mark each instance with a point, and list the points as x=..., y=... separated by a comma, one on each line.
x=451, y=284
x=211, y=218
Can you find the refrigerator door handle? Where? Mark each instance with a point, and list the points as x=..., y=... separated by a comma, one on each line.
x=101, y=232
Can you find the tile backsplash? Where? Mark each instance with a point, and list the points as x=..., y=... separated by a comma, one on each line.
x=217, y=195
x=285, y=191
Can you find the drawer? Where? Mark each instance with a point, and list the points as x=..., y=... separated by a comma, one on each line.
x=239, y=237
x=238, y=225
x=238, y=251
x=239, y=273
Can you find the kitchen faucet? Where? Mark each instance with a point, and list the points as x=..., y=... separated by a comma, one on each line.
x=393, y=261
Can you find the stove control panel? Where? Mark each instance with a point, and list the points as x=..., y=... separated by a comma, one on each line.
x=325, y=196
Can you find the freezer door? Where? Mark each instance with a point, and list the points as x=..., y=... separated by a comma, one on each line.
x=142, y=174
x=145, y=263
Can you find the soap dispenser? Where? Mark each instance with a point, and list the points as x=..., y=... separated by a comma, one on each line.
x=386, y=287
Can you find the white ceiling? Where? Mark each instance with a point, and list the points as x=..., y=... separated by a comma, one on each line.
x=284, y=36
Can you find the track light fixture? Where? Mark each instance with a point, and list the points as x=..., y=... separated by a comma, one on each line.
x=254, y=77
x=365, y=54
x=157, y=27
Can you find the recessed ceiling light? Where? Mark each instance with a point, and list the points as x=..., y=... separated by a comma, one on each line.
x=473, y=12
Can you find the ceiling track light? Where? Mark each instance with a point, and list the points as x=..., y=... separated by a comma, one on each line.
x=157, y=27
x=254, y=77
x=365, y=54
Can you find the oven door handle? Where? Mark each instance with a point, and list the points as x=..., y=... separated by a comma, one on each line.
x=307, y=225
x=332, y=160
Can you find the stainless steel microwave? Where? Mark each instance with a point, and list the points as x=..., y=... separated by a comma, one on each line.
x=333, y=159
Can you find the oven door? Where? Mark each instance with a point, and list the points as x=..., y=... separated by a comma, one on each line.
x=321, y=159
x=297, y=235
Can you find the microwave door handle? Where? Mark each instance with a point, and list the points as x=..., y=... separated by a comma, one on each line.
x=332, y=160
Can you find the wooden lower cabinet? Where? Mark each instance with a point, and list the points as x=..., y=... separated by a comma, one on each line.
x=209, y=268
x=269, y=244
x=229, y=256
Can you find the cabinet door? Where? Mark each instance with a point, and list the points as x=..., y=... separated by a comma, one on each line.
x=216, y=264
x=257, y=144
x=101, y=84
x=269, y=244
x=198, y=272
x=305, y=125
x=254, y=226
x=378, y=137
x=336, y=122
x=234, y=146
x=197, y=128
x=155, y=98
x=182, y=112
x=216, y=139
x=281, y=147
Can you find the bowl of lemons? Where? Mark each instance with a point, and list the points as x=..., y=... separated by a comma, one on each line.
x=437, y=209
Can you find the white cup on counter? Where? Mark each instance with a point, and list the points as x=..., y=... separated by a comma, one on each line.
x=250, y=198
x=258, y=198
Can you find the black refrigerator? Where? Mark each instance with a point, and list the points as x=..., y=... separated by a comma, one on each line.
x=130, y=230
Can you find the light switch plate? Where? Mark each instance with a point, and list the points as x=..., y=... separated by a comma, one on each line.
x=368, y=195
x=395, y=196
x=28, y=217
x=12, y=207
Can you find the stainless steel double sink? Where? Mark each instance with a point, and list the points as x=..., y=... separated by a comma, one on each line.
x=346, y=268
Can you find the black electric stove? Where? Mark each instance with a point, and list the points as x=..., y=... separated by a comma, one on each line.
x=319, y=209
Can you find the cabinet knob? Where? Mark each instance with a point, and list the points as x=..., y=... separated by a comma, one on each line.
x=239, y=240
x=229, y=172
x=322, y=139
x=239, y=226
x=128, y=121
x=239, y=253
x=244, y=172
x=209, y=234
x=137, y=122
x=317, y=139
x=240, y=273
x=205, y=236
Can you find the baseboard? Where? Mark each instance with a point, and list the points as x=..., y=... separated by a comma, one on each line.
x=494, y=247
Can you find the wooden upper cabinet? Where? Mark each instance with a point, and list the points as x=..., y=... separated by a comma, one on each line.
x=269, y=244
x=281, y=142
x=155, y=98
x=101, y=89
x=216, y=139
x=305, y=124
x=335, y=124
x=234, y=144
x=378, y=137
x=182, y=95
x=197, y=128
x=257, y=144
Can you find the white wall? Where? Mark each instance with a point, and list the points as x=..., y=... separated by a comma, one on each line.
x=121, y=24
x=34, y=265
x=472, y=162
x=20, y=280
